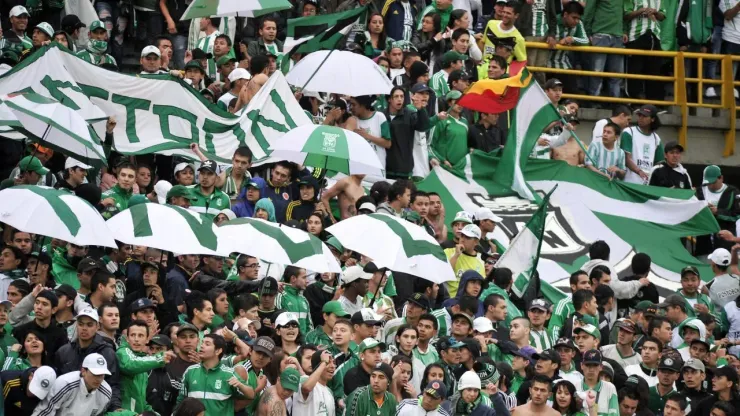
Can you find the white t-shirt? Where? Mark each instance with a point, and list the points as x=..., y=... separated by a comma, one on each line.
x=731, y=29
x=643, y=148
x=376, y=125
x=711, y=196
x=320, y=401
x=636, y=370
x=421, y=155
x=350, y=307
x=226, y=99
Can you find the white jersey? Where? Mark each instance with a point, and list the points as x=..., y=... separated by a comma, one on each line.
x=350, y=307
x=643, y=149
x=574, y=376
x=636, y=370
x=724, y=289
x=69, y=397
x=733, y=333
x=421, y=155
x=376, y=125
x=611, y=351
x=320, y=401
x=412, y=407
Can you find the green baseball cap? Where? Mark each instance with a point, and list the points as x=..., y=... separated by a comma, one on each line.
x=336, y=308
x=195, y=64
x=181, y=190
x=711, y=174
x=290, y=378
x=334, y=242
x=225, y=60
x=453, y=95
x=589, y=329
x=453, y=56
x=46, y=28
x=32, y=164
x=464, y=217
x=97, y=24
x=137, y=199
x=369, y=343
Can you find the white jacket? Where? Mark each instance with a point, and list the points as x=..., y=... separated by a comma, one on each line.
x=69, y=397
x=411, y=407
x=622, y=290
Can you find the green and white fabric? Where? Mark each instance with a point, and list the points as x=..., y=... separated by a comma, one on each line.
x=559, y=58
x=605, y=158
x=276, y=243
x=240, y=8
x=339, y=72
x=641, y=24
x=54, y=213
x=158, y=113
x=524, y=252
x=539, y=18
x=396, y=244
x=646, y=151
x=330, y=148
x=438, y=83
x=206, y=45
x=166, y=227
x=52, y=124
x=583, y=209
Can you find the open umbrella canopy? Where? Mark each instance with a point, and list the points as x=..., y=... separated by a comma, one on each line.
x=54, y=213
x=396, y=244
x=330, y=148
x=339, y=72
x=275, y=243
x=52, y=124
x=166, y=227
x=243, y=8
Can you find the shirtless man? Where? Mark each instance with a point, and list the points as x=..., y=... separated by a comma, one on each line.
x=272, y=401
x=570, y=152
x=539, y=392
x=436, y=216
x=347, y=190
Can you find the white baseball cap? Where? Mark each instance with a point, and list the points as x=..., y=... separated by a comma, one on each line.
x=151, y=49
x=18, y=11
x=181, y=166
x=74, y=163
x=43, y=378
x=720, y=257
x=286, y=317
x=463, y=216
x=486, y=214
x=90, y=313
x=353, y=273
x=239, y=73
x=96, y=364
x=229, y=213
x=161, y=188
x=482, y=324
x=471, y=230
x=368, y=206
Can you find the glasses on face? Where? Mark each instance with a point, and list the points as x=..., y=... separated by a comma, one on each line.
x=251, y=266
x=291, y=325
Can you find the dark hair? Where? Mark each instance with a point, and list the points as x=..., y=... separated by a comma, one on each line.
x=726, y=407
x=603, y=293
x=267, y=19
x=403, y=328
x=341, y=104
x=597, y=273
x=398, y=188
x=244, y=151
x=573, y=406
x=468, y=304
x=573, y=7
x=614, y=126
x=430, y=317
x=500, y=61
x=628, y=392
x=19, y=255
x=139, y=322
x=397, y=88
x=213, y=294
x=125, y=165
x=224, y=36
x=455, y=15
x=654, y=340
x=641, y=264
x=37, y=333
x=492, y=300
x=361, y=200
x=416, y=195
x=23, y=286
x=215, y=21
x=258, y=64
x=580, y=297
x=400, y=358
x=161, y=38
x=575, y=275
x=458, y=33
x=383, y=35
x=679, y=399
x=195, y=300
x=541, y=378
x=656, y=323
x=49, y=295
x=379, y=192
x=365, y=101
x=218, y=342
x=303, y=348
x=104, y=306
x=436, y=21
x=99, y=278
x=410, y=54
x=621, y=109
x=421, y=286
x=245, y=302
x=599, y=250
x=513, y=4
x=289, y=272
x=502, y=277
x=16, y=231
x=425, y=376
x=189, y=407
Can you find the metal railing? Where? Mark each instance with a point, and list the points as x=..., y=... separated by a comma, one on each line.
x=679, y=80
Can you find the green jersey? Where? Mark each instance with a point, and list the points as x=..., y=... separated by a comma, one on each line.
x=444, y=322
x=18, y=47
x=438, y=83
x=449, y=139
x=540, y=340
x=206, y=45
x=209, y=204
x=564, y=309
x=96, y=59
x=135, y=368
x=431, y=355
x=641, y=24
x=361, y=403
x=120, y=196
x=604, y=158
x=14, y=363
x=539, y=18
x=291, y=300
x=211, y=387
x=656, y=402
x=558, y=58
x=318, y=337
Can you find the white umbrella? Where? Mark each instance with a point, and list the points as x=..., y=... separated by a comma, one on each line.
x=242, y=8
x=166, y=227
x=275, y=243
x=54, y=213
x=339, y=72
x=330, y=148
x=396, y=244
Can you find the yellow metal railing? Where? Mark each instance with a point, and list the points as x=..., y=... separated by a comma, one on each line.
x=726, y=82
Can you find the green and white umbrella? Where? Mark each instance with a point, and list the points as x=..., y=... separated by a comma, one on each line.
x=53, y=124
x=396, y=244
x=54, y=213
x=166, y=227
x=243, y=8
x=275, y=243
x=331, y=148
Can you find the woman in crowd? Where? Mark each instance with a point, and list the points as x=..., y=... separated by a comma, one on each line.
x=32, y=353
x=339, y=115
x=315, y=225
x=377, y=39
x=220, y=302
x=429, y=40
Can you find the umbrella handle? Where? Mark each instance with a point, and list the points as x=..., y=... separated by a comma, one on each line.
x=48, y=127
x=319, y=67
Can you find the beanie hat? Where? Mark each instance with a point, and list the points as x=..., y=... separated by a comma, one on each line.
x=418, y=69
x=469, y=380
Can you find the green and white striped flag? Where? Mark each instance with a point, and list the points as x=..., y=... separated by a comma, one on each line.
x=524, y=251
x=241, y=8
x=316, y=33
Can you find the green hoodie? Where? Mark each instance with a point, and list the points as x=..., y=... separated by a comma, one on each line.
x=135, y=369
x=120, y=197
x=62, y=271
x=443, y=14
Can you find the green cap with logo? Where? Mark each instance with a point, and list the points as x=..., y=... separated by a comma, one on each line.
x=290, y=378
x=180, y=190
x=336, y=308
x=195, y=64
x=32, y=164
x=225, y=60
x=589, y=329
x=711, y=174
x=453, y=95
x=451, y=57
x=46, y=28
x=95, y=25
x=369, y=343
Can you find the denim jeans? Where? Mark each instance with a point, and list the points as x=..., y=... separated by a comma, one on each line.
x=710, y=66
x=602, y=62
x=179, y=46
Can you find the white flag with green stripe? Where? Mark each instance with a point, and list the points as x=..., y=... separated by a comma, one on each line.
x=240, y=8
x=524, y=251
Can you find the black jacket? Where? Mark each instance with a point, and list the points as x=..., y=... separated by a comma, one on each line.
x=400, y=158
x=70, y=357
x=54, y=336
x=161, y=391
x=355, y=377
x=233, y=288
x=14, y=385
x=485, y=139
x=166, y=312
x=428, y=48
x=317, y=294
x=667, y=177
x=728, y=207
x=11, y=151
x=705, y=406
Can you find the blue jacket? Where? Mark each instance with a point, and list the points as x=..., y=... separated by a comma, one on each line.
x=244, y=208
x=467, y=277
x=281, y=196
x=393, y=15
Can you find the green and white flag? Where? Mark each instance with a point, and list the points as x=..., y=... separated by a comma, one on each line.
x=240, y=8
x=532, y=114
x=524, y=251
x=585, y=207
x=157, y=113
x=315, y=33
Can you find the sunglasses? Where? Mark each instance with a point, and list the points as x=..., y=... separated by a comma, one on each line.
x=291, y=325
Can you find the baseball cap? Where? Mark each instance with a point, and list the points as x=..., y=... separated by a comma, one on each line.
x=367, y=206
x=540, y=304
x=369, y=343
x=608, y=369
x=452, y=56
x=549, y=355
x=482, y=324
x=43, y=378
x=195, y=63
x=269, y=286
x=627, y=324
x=673, y=300
x=436, y=389
x=151, y=49
x=210, y=165
x=720, y=257
x=32, y=164
x=162, y=188
x=46, y=28
x=353, y=273
x=71, y=22
x=670, y=363
x=471, y=230
x=711, y=174
x=592, y=357
x=74, y=163
x=18, y=11
x=89, y=264
x=290, y=378
x=646, y=306
x=525, y=352
x=336, y=308
x=673, y=145
x=285, y=318
x=42, y=257
x=239, y=73
x=225, y=60
x=463, y=216
x=689, y=269
x=180, y=190
x=453, y=95
x=695, y=364
x=486, y=214
x=96, y=364
x=648, y=110
x=457, y=75
x=162, y=340
x=448, y=342
x=384, y=368
x=90, y=313
x=553, y=83
x=334, y=243
x=66, y=290
x=253, y=184
x=181, y=166
x=187, y=327
x=141, y=304
x=420, y=87
x=508, y=42
x=463, y=315
x=366, y=316
x=420, y=299
x=566, y=342
x=97, y=24
x=589, y=329
x=265, y=345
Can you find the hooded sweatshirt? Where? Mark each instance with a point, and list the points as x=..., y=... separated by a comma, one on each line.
x=467, y=277
x=243, y=208
x=266, y=204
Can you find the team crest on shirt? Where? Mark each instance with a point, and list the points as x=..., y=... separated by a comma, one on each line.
x=218, y=384
x=286, y=196
x=219, y=202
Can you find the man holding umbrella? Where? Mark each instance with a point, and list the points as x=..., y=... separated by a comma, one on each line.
x=31, y=172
